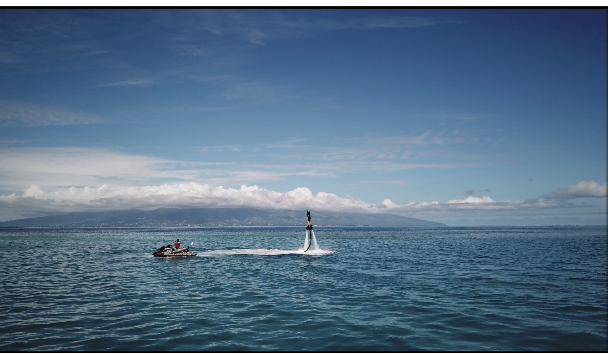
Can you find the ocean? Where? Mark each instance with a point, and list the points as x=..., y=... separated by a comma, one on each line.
x=254, y=289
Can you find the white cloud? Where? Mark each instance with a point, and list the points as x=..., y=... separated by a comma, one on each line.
x=35, y=201
x=22, y=114
x=60, y=179
x=387, y=203
x=472, y=200
x=580, y=190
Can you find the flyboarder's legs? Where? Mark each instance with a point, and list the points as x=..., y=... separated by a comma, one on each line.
x=309, y=227
x=308, y=239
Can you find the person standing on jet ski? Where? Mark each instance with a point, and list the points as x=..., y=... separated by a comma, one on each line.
x=176, y=244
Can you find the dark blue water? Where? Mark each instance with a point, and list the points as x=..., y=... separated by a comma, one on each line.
x=381, y=289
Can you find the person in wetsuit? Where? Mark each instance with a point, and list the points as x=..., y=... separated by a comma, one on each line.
x=308, y=217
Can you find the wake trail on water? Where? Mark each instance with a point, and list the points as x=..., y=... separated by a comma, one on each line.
x=263, y=252
x=308, y=249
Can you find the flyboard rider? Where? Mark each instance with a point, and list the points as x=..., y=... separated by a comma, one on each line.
x=309, y=227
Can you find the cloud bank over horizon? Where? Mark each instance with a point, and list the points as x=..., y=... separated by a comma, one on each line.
x=34, y=201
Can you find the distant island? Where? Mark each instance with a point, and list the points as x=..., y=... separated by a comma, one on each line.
x=213, y=217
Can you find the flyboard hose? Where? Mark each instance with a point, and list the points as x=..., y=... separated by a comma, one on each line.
x=308, y=231
x=309, y=234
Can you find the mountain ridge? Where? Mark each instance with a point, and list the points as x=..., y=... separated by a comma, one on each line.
x=212, y=217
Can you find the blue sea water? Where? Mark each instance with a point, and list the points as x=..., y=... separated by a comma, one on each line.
x=254, y=289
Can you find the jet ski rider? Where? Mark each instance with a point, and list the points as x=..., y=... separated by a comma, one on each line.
x=176, y=244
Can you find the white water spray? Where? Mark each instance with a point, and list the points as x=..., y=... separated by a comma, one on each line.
x=314, y=241
x=308, y=239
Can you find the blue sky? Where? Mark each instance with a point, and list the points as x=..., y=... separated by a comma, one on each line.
x=468, y=117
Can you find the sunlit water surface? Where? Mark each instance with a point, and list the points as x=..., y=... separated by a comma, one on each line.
x=254, y=289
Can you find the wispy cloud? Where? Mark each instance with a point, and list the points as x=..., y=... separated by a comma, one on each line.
x=458, y=117
x=474, y=203
x=392, y=181
x=370, y=154
x=127, y=82
x=257, y=89
x=77, y=166
x=582, y=189
x=59, y=39
x=205, y=109
x=74, y=166
x=381, y=152
x=7, y=58
x=232, y=87
x=391, y=22
x=260, y=26
x=51, y=37
x=222, y=148
x=427, y=138
x=232, y=165
x=25, y=114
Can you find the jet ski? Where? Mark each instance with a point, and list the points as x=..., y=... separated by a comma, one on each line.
x=169, y=251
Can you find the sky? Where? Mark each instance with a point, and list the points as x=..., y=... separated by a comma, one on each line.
x=461, y=116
